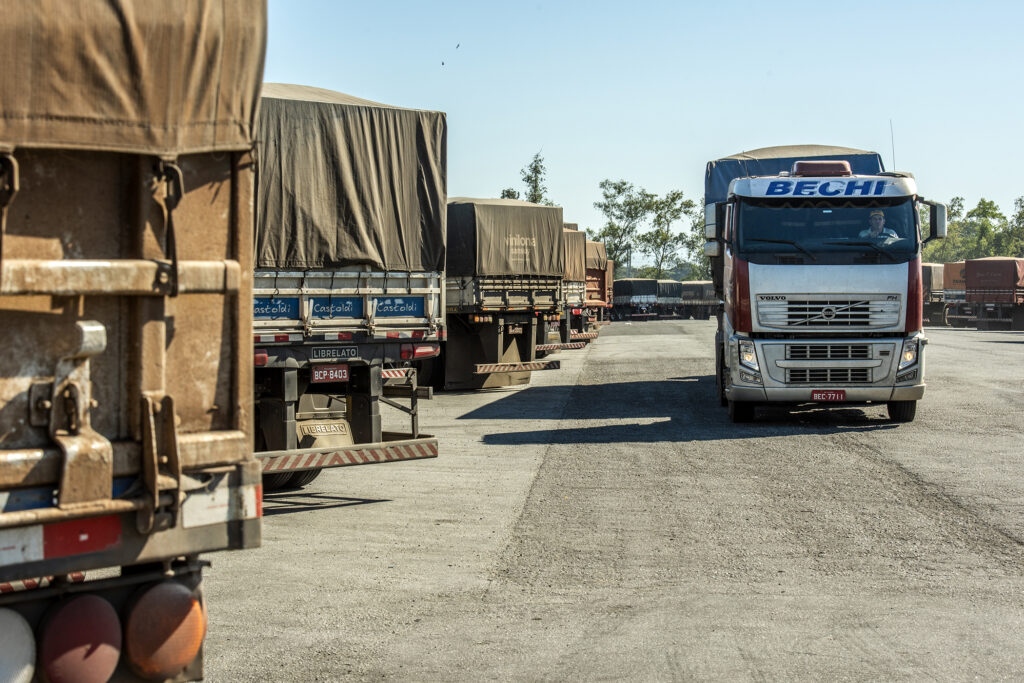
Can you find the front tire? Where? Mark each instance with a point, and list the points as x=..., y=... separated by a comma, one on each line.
x=902, y=411
x=741, y=411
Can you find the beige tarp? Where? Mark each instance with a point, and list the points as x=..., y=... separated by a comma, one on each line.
x=349, y=182
x=575, y=256
x=504, y=237
x=597, y=257
x=162, y=78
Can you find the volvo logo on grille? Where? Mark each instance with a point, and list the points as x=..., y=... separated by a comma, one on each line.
x=828, y=313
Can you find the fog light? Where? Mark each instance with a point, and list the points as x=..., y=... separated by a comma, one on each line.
x=164, y=630
x=18, y=660
x=748, y=356
x=907, y=376
x=80, y=641
x=750, y=379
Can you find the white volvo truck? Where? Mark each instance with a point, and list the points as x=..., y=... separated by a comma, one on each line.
x=820, y=271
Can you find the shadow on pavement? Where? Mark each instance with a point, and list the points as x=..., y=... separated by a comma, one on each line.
x=682, y=409
x=298, y=501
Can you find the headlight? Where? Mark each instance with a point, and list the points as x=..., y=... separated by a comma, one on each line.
x=909, y=355
x=748, y=357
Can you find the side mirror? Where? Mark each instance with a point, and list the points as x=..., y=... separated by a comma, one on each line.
x=710, y=231
x=713, y=249
x=710, y=222
x=938, y=220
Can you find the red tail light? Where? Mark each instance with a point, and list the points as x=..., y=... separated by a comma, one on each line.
x=164, y=630
x=738, y=308
x=260, y=357
x=405, y=351
x=914, y=294
x=576, y=311
x=80, y=640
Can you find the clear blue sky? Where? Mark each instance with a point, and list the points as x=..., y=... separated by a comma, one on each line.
x=650, y=91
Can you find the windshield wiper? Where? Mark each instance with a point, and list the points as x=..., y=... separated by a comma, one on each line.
x=789, y=242
x=865, y=244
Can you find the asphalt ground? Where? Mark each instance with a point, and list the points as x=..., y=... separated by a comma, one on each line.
x=608, y=522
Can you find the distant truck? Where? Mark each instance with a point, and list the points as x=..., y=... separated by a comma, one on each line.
x=506, y=261
x=634, y=299
x=956, y=311
x=350, y=250
x=698, y=300
x=126, y=305
x=932, y=294
x=599, y=285
x=818, y=259
x=995, y=291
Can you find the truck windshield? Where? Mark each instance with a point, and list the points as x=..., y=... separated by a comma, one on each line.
x=826, y=232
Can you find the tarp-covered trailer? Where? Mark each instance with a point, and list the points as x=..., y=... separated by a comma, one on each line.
x=699, y=300
x=956, y=311
x=634, y=298
x=669, y=298
x=506, y=260
x=572, y=323
x=126, y=182
x=931, y=293
x=350, y=252
x=995, y=289
x=598, y=284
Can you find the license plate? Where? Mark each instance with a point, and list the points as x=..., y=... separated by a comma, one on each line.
x=828, y=395
x=334, y=352
x=330, y=373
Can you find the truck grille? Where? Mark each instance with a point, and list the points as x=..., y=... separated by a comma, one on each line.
x=827, y=351
x=828, y=375
x=866, y=312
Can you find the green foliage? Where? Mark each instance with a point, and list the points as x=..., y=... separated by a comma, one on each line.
x=982, y=231
x=693, y=243
x=533, y=177
x=510, y=193
x=660, y=243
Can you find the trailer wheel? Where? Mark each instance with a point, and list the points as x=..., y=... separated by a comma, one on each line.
x=277, y=481
x=300, y=479
x=902, y=411
x=741, y=411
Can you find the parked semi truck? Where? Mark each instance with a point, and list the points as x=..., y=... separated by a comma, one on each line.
x=506, y=260
x=599, y=285
x=818, y=258
x=956, y=311
x=634, y=298
x=995, y=292
x=932, y=295
x=350, y=250
x=698, y=300
x=126, y=183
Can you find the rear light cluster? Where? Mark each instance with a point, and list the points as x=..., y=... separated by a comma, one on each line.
x=481, y=318
x=260, y=357
x=419, y=351
x=82, y=638
x=577, y=311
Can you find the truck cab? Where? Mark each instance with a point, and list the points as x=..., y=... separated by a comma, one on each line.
x=820, y=272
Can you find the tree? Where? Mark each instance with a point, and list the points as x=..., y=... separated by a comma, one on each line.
x=533, y=177
x=626, y=207
x=509, y=193
x=693, y=242
x=660, y=243
x=1010, y=242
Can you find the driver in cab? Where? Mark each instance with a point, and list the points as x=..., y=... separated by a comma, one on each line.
x=876, y=227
